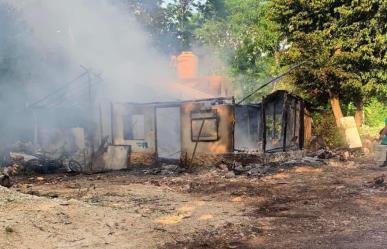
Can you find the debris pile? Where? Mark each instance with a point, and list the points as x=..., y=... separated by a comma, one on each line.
x=236, y=168
x=165, y=170
x=339, y=154
x=5, y=180
x=21, y=163
x=233, y=168
x=377, y=182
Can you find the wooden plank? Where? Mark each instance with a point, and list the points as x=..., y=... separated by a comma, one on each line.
x=284, y=124
x=301, y=139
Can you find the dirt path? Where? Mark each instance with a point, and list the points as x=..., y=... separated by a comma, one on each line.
x=107, y=214
x=331, y=206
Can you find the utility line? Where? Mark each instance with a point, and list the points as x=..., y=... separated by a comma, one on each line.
x=271, y=81
x=58, y=90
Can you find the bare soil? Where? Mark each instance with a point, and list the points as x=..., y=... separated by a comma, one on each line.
x=337, y=205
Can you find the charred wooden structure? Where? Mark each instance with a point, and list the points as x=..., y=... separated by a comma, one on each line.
x=119, y=135
x=142, y=134
x=281, y=122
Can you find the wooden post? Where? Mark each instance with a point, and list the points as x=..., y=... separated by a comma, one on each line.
x=112, y=122
x=284, y=124
x=263, y=113
x=196, y=145
x=91, y=133
x=301, y=139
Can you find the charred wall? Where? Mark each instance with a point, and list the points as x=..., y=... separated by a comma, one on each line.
x=133, y=125
x=208, y=127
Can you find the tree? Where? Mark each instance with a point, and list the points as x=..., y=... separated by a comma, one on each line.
x=240, y=31
x=344, y=44
x=156, y=20
x=211, y=10
x=179, y=18
x=362, y=29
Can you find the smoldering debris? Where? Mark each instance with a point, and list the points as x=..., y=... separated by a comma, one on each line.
x=165, y=170
x=5, y=180
x=27, y=164
x=231, y=169
x=22, y=163
x=251, y=169
x=377, y=182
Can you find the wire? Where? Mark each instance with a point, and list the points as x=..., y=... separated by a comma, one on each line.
x=58, y=90
x=271, y=81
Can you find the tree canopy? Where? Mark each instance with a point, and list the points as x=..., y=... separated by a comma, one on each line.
x=344, y=43
x=243, y=35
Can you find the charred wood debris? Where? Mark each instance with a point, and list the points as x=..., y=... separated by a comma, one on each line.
x=23, y=160
x=28, y=163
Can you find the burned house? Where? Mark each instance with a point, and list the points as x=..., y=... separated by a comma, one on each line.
x=195, y=131
x=279, y=123
x=112, y=136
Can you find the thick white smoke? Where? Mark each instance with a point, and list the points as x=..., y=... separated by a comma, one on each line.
x=43, y=44
x=99, y=34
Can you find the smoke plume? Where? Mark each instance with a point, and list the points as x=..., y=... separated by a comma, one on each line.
x=53, y=38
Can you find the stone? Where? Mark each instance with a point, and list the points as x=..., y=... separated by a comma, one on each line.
x=170, y=167
x=351, y=133
x=230, y=174
x=223, y=167
x=5, y=180
x=9, y=229
x=324, y=154
x=254, y=172
x=241, y=170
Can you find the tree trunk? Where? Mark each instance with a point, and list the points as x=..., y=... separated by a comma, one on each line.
x=359, y=114
x=335, y=103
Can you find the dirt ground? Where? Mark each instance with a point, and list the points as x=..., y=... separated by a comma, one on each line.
x=336, y=205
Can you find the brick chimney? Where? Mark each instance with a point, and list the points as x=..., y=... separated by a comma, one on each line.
x=187, y=66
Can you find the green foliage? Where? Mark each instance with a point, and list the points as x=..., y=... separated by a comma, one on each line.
x=236, y=32
x=375, y=113
x=343, y=41
x=324, y=126
x=161, y=22
x=246, y=38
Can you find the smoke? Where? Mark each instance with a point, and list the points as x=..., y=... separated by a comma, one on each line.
x=43, y=44
x=98, y=34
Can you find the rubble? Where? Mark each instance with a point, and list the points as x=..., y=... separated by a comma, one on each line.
x=222, y=167
x=5, y=180
x=324, y=154
x=341, y=154
x=20, y=163
x=239, y=169
x=312, y=161
x=230, y=174
x=165, y=170
x=377, y=182
x=260, y=169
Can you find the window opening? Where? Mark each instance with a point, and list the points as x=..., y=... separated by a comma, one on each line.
x=209, y=120
x=134, y=127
